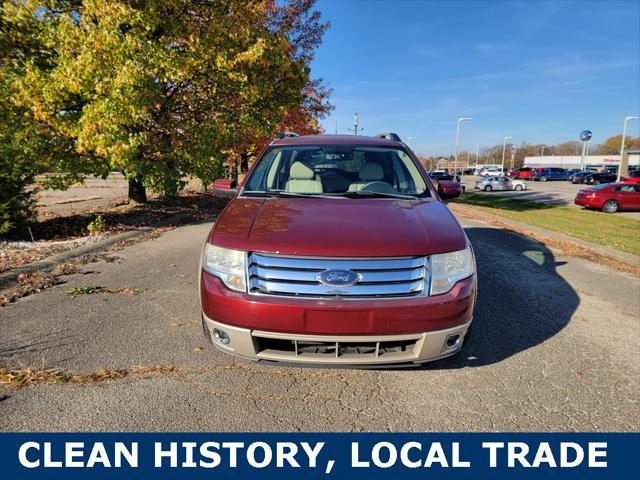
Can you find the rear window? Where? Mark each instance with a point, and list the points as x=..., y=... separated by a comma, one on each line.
x=336, y=170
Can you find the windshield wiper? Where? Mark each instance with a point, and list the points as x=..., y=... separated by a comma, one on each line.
x=368, y=193
x=282, y=193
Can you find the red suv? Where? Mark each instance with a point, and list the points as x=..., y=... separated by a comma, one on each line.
x=338, y=250
x=523, y=173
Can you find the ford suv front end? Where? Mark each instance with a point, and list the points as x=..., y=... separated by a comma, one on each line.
x=338, y=250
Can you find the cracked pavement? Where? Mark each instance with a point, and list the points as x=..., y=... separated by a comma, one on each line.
x=555, y=346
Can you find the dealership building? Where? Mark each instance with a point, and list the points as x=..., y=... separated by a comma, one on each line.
x=598, y=162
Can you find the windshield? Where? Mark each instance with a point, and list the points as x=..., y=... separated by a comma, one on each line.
x=337, y=170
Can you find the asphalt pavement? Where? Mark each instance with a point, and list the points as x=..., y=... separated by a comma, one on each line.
x=555, y=347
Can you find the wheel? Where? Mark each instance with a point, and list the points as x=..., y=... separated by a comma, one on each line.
x=610, y=206
x=543, y=179
x=518, y=188
x=596, y=182
x=488, y=188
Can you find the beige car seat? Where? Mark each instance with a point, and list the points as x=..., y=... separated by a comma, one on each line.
x=303, y=179
x=370, y=172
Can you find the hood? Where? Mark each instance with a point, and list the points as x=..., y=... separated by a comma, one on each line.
x=338, y=227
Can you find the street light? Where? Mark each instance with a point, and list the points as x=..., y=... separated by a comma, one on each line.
x=355, y=124
x=460, y=120
x=624, y=135
x=504, y=146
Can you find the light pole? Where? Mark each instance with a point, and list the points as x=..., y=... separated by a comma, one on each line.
x=355, y=124
x=624, y=137
x=477, y=154
x=460, y=120
x=504, y=147
x=542, y=152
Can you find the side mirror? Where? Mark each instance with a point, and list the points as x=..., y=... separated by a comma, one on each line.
x=225, y=187
x=448, y=189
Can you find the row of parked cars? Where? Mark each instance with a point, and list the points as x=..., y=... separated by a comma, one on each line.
x=589, y=176
x=605, y=194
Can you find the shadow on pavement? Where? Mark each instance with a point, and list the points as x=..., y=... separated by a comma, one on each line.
x=522, y=300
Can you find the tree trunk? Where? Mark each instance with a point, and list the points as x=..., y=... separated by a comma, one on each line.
x=244, y=163
x=137, y=192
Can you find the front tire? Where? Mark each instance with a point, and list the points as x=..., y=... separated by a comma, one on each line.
x=610, y=206
x=543, y=179
x=518, y=188
x=488, y=188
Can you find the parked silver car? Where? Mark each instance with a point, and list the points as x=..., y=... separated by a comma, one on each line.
x=500, y=183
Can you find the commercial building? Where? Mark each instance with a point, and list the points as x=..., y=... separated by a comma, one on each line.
x=598, y=162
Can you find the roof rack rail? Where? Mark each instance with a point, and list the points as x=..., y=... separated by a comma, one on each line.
x=389, y=136
x=287, y=134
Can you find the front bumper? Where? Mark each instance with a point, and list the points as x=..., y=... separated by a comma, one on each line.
x=342, y=350
x=335, y=316
x=337, y=331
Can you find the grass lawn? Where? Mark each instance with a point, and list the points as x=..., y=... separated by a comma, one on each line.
x=614, y=230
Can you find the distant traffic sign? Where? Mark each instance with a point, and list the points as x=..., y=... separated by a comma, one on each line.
x=585, y=135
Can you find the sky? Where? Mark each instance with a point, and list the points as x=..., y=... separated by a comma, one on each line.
x=539, y=71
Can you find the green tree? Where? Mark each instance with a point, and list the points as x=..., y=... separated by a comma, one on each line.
x=165, y=88
x=28, y=147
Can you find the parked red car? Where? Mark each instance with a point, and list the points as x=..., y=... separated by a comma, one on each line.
x=338, y=250
x=523, y=173
x=610, y=197
x=631, y=177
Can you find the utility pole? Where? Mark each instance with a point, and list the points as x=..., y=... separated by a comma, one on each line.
x=460, y=120
x=336, y=127
x=477, y=154
x=624, y=137
x=504, y=147
x=542, y=152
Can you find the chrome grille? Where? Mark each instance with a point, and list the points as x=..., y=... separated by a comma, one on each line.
x=297, y=276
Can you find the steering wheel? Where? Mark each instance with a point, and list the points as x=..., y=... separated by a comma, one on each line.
x=378, y=186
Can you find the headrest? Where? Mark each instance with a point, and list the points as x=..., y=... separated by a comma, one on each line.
x=371, y=172
x=299, y=171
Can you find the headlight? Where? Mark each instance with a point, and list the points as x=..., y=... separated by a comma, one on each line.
x=449, y=268
x=228, y=265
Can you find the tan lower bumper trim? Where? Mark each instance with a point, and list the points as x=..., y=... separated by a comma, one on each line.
x=258, y=345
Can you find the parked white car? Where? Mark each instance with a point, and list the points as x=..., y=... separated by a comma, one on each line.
x=500, y=183
x=490, y=172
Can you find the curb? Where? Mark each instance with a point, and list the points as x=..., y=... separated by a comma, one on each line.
x=602, y=250
x=10, y=278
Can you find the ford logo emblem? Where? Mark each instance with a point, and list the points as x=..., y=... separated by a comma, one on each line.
x=338, y=278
